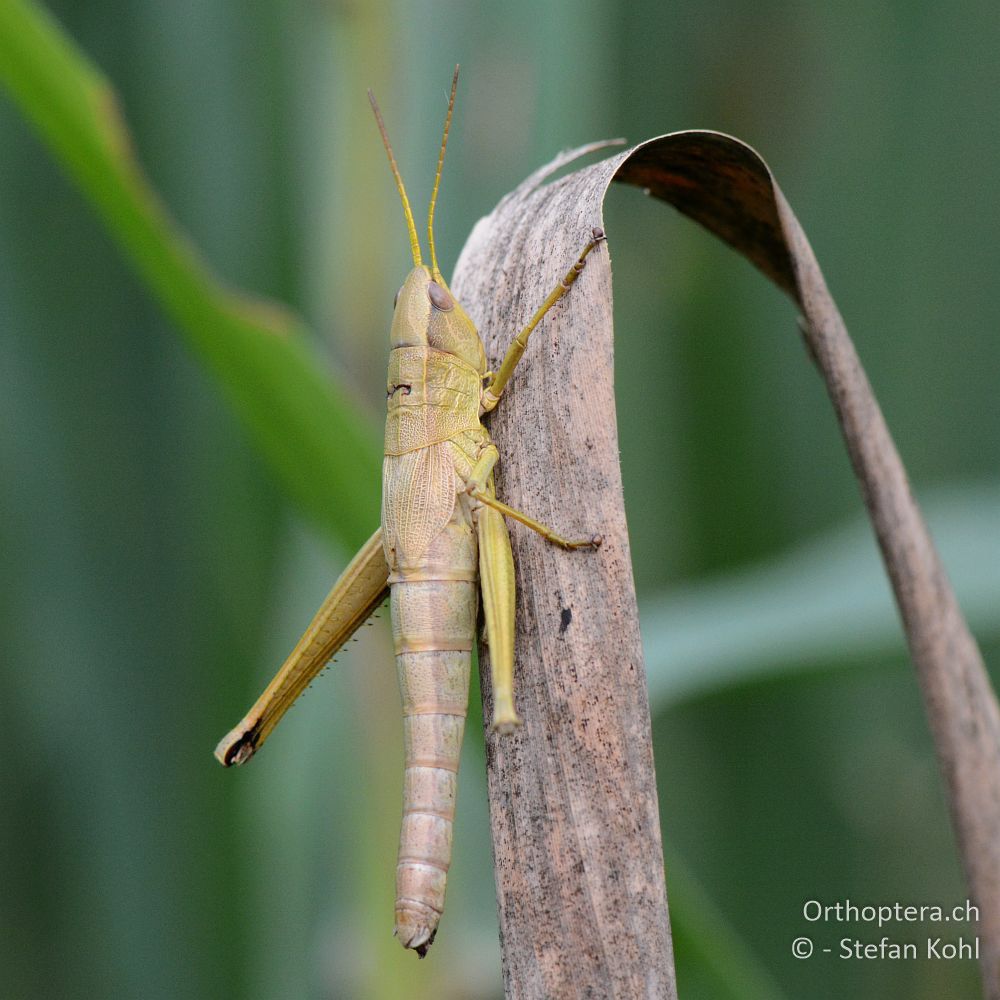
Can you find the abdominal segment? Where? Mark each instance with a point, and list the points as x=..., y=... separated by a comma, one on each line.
x=434, y=608
x=432, y=742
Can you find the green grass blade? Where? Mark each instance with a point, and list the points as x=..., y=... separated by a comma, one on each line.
x=826, y=601
x=712, y=959
x=323, y=452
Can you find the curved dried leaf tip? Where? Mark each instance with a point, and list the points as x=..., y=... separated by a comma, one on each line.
x=512, y=256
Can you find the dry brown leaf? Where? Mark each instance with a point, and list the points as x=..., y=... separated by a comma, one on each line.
x=573, y=795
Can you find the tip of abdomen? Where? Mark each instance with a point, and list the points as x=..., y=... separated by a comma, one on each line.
x=416, y=925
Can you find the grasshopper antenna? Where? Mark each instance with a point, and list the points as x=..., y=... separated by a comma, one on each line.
x=437, y=178
x=414, y=242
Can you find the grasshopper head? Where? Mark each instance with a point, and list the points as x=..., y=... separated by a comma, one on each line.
x=428, y=315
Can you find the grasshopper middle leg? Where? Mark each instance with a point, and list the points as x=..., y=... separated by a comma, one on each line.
x=481, y=473
x=546, y=532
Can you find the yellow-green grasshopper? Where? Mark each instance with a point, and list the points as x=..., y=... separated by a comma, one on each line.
x=443, y=540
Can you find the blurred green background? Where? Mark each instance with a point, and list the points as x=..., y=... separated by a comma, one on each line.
x=154, y=575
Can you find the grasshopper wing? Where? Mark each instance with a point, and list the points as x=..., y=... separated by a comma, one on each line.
x=362, y=587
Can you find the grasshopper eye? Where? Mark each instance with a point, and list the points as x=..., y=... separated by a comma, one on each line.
x=395, y=298
x=440, y=299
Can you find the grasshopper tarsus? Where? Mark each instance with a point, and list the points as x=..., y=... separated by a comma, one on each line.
x=594, y=542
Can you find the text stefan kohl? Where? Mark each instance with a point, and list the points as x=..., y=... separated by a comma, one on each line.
x=933, y=947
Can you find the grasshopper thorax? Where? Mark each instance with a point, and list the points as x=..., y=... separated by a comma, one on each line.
x=428, y=315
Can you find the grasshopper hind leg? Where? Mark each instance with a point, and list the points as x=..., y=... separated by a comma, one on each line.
x=496, y=578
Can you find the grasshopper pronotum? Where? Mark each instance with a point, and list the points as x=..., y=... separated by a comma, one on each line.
x=442, y=541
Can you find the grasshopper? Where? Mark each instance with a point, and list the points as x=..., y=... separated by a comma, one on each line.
x=442, y=540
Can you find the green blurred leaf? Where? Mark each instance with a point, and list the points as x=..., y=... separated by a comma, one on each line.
x=825, y=600
x=304, y=424
x=712, y=959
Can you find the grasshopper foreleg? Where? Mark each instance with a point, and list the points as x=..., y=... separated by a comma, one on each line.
x=491, y=395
